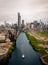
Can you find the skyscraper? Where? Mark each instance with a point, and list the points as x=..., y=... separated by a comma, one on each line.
x=19, y=20
x=23, y=23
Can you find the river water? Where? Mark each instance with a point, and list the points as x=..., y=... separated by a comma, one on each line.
x=23, y=47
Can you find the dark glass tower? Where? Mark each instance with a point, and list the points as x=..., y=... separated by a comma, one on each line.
x=19, y=20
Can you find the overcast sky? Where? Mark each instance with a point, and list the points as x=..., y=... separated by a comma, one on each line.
x=30, y=10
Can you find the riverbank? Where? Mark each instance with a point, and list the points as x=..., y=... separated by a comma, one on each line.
x=5, y=57
x=44, y=34
x=39, y=35
x=7, y=46
x=44, y=59
x=35, y=44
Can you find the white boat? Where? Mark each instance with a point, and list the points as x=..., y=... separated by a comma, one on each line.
x=23, y=56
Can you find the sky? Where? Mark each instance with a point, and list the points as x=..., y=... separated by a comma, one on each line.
x=30, y=10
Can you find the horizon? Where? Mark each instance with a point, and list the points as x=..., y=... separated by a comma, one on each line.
x=30, y=10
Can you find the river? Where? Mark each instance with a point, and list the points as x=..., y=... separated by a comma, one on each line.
x=23, y=47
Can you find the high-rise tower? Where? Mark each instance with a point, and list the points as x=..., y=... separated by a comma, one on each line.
x=19, y=20
x=23, y=23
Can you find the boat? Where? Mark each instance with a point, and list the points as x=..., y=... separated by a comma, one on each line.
x=23, y=56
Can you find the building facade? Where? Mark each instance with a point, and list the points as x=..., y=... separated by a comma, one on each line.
x=19, y=20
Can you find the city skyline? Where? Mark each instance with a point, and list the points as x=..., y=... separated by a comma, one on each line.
x=29, y=9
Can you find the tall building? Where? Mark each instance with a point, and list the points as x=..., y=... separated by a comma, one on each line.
x=23, y=23
x=19, y=20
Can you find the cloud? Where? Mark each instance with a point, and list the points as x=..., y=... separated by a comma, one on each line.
x=29, y=8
